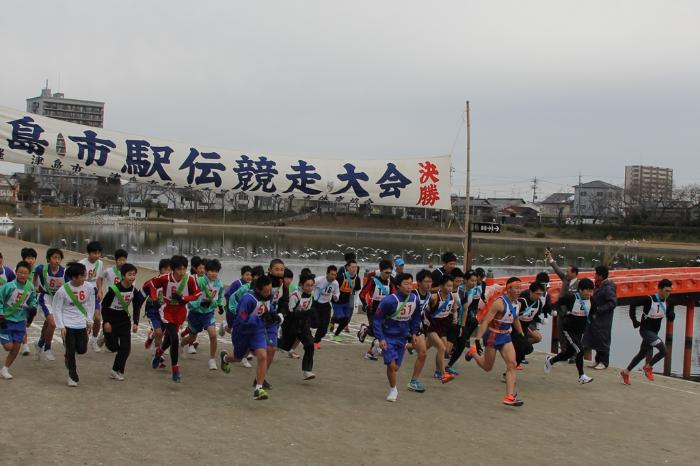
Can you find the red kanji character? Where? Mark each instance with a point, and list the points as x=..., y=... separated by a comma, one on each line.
x=428, y=195
x=428, y=171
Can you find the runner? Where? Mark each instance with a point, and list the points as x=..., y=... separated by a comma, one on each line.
x=575, y=310
x=396, y=318
x=249, y=333
x=295, y=326
x=118, y=321
x=29, y=255
x=197, y=270
x=15, y=298
x=350, y=284
x=246, y=277
x=232, y=306
x=441, y=314
x=48, y=279
x=531, y=308
x=417, y=342
x=201, y=312
x=654, y=309
x=327, y=290
x=374, y=290
x=178, y=288
x=493, y=335
x=449, y=262
x=279, y=299
x=6, y=273
x=74, y=310
x=93, y=266
x=111, y=276
x=455, y=327
x=153, y=308
x=469, y=294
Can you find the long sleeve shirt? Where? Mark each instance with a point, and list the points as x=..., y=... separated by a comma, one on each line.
x=15, y=299
x=212, y=291
x=249, y=315
x=6, y=275
x=167, y=284
x=325, y=290
x=654, y=310
x=132, y=297
x=397, y=316
x=67, y=315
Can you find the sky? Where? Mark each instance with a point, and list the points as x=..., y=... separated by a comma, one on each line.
x=557, y=88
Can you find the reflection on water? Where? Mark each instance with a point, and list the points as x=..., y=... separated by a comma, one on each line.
x=316, y=249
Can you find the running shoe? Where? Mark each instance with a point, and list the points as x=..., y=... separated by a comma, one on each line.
x=649, y=373
x=265, y=384
x=25, y=349
x=317, y=346
x=222, y=329
x=308, y=375
x=162, y=363
x=48, y=355
x=369, y=356
x=362, y=333
x=101, y=340
x=293, y=354
x=71, y=382
x=470, y=353
x=92, y=342
x=446, y=377
x=38, y=352
x=225, y=366
x=245, y=363
x=155, y=362
x=337, y=338
x=625, y=377
x=393, y=395
x=437, y=375
x=260, y=394
x=177, y=378
x=5, y=373
x=585, y=379
x=451, y=371
x=116, y=376
x=192, y=349
x=600, y=366
x=524, y=361
x=250, y=357
x=512, y=400
x=212, y=364
x=149, y=339
x=547, y=364
x=416, y=386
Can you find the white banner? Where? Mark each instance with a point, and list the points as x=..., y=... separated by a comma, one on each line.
x=31, y=139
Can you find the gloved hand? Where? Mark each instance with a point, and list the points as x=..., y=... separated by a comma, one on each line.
x=554, y=313
x=636, y=323
x=177, y=298
x=221, y=310
x=479, y=346
x=206, y=303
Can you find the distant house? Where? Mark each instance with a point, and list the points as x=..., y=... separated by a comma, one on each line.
x=480, y=209
x=557, y=206
x=501, y=202
x=598, y=201
x=517, y=215
x=8, y=189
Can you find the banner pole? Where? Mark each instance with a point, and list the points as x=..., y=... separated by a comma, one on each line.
x=467, y=222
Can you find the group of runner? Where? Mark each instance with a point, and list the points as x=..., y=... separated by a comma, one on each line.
x=93, y=306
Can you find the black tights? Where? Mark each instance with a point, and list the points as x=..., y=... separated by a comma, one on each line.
x=119, y=341
x=172, y=340
x=644, y=349
x=341, y=322
x=572, y=347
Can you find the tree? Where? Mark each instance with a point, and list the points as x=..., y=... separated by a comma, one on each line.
x=108, y=190
x=28, y=187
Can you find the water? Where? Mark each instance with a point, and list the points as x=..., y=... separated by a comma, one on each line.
x=147, y=244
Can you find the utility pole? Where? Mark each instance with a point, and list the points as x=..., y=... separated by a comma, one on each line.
x=578, y=206
x=534, y=190
x=467, y=223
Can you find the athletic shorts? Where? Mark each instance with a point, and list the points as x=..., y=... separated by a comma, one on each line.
x=496, y=340
x=649, y=338
x=14, y=332
x=439, y=326
x=198, y=321
x=154, y=316
x=45, y=304
x=395, y=349
x=174, y=315
x=271, y=333
x=242, y=343
x=97, y=301
x=341, y=311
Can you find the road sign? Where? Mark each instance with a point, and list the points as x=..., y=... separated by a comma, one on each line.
x=486, y=227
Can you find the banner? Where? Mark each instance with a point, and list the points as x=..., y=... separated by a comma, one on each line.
x=31, y=139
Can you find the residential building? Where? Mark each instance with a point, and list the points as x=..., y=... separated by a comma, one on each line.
x=644, y=184
x=557, y=206
x=56, y=186
x=597, y=201
x=8, y=189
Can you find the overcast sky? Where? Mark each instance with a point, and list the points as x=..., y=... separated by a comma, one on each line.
x=557, y=87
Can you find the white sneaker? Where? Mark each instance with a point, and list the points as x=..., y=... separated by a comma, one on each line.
x=48, y=355
x=191, y=349
x=222, y=329
x=38, y=352
x=245, y=363
x=71, y=382
x=393, y=395
x=250, y=357
x=585, y=379
x=25, y=349
x=101, y=340
x=547, y=364
x=92, y=343
x=116, y=376
x=308, y=375
x=5, y=373
x=600, y=366
x=212, y=364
